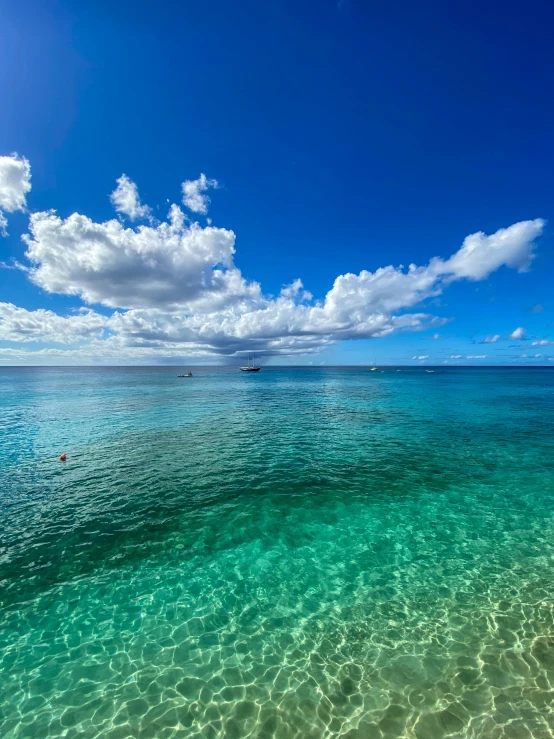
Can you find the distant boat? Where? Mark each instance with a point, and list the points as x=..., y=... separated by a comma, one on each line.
x=189, y=374
x=431, y=372
x=374, y=369
x=250, y=367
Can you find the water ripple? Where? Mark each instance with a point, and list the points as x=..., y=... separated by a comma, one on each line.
x=304, y=553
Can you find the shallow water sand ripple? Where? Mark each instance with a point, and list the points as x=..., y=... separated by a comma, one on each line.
x=300, y=553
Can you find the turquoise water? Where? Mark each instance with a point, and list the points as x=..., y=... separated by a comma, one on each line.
x=297, y=553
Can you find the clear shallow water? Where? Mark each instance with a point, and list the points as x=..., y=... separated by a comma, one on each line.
x=298, y=553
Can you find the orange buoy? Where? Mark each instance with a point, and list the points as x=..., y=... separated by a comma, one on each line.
x=62, y=457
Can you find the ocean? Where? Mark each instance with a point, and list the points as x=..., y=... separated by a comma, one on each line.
x=301, y=552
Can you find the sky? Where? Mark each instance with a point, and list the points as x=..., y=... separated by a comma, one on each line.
x=332, y=182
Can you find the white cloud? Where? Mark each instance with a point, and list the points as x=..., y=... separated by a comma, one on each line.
x=15, y=183
x=436, y=337
x=19, y=324
x=168, y=264
x=481, y=254
x=178, y=291
x=491, y=339
x=455, y=356
x=423, y=356
x=296, y=290
x=542, y=342
x=182, y=286
x=517, y=334
x=125, y=199
x=193, y=197
x=476, y=356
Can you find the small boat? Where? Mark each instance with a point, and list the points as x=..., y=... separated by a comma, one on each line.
x=374, y=369
x=189, y=374
x=431, y=372
x=250, y=367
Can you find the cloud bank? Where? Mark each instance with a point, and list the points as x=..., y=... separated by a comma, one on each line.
x=174, y=290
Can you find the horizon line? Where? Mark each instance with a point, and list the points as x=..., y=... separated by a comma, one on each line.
x=276, y=366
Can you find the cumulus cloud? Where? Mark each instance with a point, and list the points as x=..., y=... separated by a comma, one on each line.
x=491, y=339
x=168, y=264
x=423, y=356
x=179, y=283
x=296, y=290
x=193, y=193
x=19, y=324
x=542, y=342
x=455, y=356
x=481, y=254
x=176, y=289
x=125, y=199
x=15, y=183
x=517, y=334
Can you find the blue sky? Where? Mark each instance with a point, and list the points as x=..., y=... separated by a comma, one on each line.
x=336, y=139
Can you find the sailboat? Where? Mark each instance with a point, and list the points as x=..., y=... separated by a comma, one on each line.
x=250, y=367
